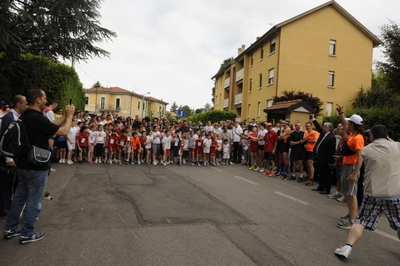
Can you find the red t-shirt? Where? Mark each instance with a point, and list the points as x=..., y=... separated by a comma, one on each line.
x=82, y=138
x=253, y=142
x=199, y=144
x=270, y=139
x=122, y=140
x=112, y=140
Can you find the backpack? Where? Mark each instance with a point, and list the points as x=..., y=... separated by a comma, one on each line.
x=14, y=142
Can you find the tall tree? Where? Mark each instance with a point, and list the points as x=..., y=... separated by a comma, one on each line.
x=391, y=44
x=308, y=98
x=62, y=28
x=207, y=107
x=188, y=110
x=97, y=84
x=225, y=63
x=174, y=107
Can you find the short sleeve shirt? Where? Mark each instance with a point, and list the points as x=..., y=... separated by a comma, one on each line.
x=355, y=143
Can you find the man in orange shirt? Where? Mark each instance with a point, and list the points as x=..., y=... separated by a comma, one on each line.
x=310, y=138
x=351, y=166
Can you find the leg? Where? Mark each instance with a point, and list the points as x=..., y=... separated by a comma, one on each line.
x=353, y=207
x=355, y=233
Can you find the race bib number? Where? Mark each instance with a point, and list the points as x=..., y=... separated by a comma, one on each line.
x=111, y=141
x=83, y=140
x=122, y=142
x=199, y=144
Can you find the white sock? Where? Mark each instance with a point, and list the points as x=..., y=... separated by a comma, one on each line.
x=348, y=247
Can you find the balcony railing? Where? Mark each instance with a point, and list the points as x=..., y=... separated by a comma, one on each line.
x=226, y=103
x=238, y=98
x=239, y=75
x=108, y=107
x=227, y=82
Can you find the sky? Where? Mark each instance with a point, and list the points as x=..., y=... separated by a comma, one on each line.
x=172, y=48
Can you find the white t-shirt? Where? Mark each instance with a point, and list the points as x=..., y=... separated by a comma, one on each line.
x=237, y=132
x=166, y=141
x=149, y=140
x=157, y=137
x=100, y=137
x=207, y=145
x=261, y=133
x=72, y=133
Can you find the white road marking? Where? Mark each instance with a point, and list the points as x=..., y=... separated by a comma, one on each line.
x=292, y=198
x=395, y=238
x=248, y=181
x=216, y=169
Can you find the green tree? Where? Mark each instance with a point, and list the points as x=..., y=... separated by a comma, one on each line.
x=207, y=107
x=225, y=63
x=188, y=110
x=174, y=107
x=59, y=81
x=212, y=94
x=391, y=44
x=198, y=111
x=62, y=28
x=97, y=84
x=308, y=98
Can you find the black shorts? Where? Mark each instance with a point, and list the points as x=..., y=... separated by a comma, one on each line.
x=268, y=156
x=297, y=156
x=62, y=144
x=310, y=155
x=260, y=147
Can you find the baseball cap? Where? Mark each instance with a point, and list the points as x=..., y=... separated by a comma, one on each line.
x=356, y=119
x=269, y=125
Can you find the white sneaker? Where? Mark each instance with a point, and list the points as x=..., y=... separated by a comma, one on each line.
x=343, y=252
x=341, y=199
x=256, y=169
x=110, y=162
x=70, y=162
x=60, y=161
x=53, y=170
x=138, y=162
x=96, y=161
x=261, y=170
x=119, y=161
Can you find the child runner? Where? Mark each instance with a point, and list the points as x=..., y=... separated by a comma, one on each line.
x=92, y=137
x=122, y=142
x=226, y=152
x=100, y=139
x=206, y=150
x=112, y=145
x=82, y=140
x=166, y=146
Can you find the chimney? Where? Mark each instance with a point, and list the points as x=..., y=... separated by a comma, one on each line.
x=241, y=49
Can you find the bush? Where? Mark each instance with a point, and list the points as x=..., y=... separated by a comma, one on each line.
x=388, y=116
x=213, y=116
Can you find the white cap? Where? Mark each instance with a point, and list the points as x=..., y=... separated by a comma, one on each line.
x=356, y=119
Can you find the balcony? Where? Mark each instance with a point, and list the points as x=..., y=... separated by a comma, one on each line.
x=226, y=103
x=227, y=82
x=238, y=98
x=239, y=75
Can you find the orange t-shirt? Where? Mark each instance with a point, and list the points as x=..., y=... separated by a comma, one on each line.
x=135, y=143
x=355, y=143
x=310, y=145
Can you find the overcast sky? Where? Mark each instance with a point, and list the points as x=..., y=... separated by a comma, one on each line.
x=172, y=48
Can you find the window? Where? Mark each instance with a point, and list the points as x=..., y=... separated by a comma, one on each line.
x=260, y=85
x=272, y=46
x=216, y=99
x=248, y=110
x=271, y=74
x=258, y=109
x=138, y=105
x=331, y=79
x=329, y=107
x=270, y=102
x=102, y=102
x=87, y=100
x=262, y=53
x=117, y=104
x=251, y=85
x=220, y=97
x=332, y=47
x=143, y=105
x=251, y=60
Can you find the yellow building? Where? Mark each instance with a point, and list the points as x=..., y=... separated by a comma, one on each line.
x=123, y=102
x=324, y=51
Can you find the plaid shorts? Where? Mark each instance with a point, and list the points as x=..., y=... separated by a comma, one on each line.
x=372, y=208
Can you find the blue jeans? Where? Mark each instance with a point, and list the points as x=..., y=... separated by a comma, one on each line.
x=29, y=193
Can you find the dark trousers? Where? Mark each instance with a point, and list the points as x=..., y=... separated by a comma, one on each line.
x=236, y=152
x=325, y=176
x=7, y=182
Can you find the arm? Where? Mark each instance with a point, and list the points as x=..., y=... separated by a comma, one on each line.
x=66, y=123
x=353, y=176
x=341, y=113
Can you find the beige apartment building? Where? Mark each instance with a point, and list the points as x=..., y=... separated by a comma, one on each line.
x=123, y=102
x=324, y=51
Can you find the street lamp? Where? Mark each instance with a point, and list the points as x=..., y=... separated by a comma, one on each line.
x=143, y=103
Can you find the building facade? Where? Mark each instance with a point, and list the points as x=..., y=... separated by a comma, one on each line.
x=123, y=102
x=324, y=51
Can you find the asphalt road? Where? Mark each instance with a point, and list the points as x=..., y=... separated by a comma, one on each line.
x=189, y=215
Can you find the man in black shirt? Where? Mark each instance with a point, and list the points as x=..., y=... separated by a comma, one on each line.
x=32, y=178
x=298, y=152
